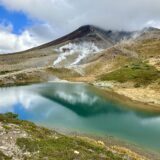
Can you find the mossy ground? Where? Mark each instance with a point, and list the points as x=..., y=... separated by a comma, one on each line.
x=138, y=72
x=64, y=148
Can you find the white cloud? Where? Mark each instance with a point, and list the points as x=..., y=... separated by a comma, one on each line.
x=10, y=98
x=10, y=42
x=70, y=14
x=152, y=23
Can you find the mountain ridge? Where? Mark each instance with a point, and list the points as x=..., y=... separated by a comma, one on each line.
x=82, y=31
x=112, y=36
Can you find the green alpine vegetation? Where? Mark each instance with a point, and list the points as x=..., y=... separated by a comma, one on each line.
x=139, y=72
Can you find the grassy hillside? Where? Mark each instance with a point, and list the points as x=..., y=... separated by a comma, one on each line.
x=138, y=72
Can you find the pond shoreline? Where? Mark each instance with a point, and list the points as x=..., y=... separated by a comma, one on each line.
x=111, y=141
x=133, y=104
x=108, y=92
x=119, y=98
x=117, y=93
x=23, y=145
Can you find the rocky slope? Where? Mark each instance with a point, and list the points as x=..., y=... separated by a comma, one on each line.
x=85, y=40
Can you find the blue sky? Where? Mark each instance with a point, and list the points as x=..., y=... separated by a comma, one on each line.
x=19, y=32
x=18, y=19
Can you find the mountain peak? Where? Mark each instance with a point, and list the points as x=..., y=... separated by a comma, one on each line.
x=89, y=33
x=149, y=29
x=87, y=27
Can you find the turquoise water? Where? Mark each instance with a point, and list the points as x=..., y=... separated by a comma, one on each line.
x=81, y=108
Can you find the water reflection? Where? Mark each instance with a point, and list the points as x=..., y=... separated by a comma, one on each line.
x=81, y=99
x=80, y=107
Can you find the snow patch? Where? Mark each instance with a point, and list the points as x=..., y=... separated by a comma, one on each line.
x=83, y=50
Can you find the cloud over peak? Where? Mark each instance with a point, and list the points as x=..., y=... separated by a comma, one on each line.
x=70, y=14
x=62, y=16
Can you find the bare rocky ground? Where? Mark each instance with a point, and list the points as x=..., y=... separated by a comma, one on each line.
x=9, y=133
x=155, y=62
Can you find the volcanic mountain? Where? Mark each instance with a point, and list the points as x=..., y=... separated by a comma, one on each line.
x=77, y=46
x=84, y=45
x=90, y=33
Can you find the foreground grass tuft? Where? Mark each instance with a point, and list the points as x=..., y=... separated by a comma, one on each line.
x=64, y=148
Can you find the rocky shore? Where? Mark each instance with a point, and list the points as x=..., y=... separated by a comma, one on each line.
x=23, y=140
x=145, y=98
